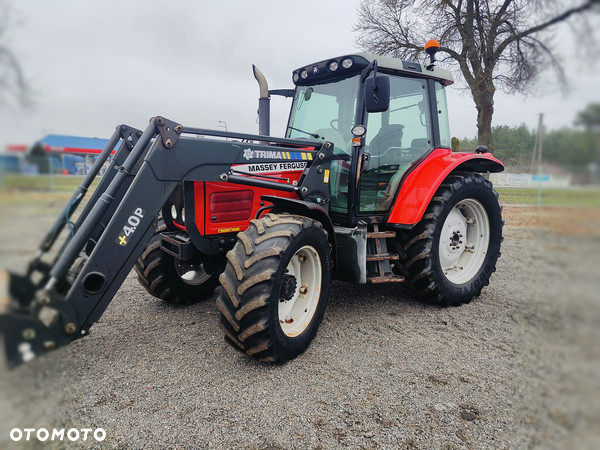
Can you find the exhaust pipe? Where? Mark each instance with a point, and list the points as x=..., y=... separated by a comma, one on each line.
x=264, y=106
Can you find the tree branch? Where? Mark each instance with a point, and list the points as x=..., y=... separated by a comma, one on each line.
x=565, y=15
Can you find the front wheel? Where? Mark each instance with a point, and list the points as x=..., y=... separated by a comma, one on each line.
x=173, y=281
x=452, y=252
x=275, y=287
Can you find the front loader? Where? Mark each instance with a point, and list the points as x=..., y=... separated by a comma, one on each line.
x=364, y=188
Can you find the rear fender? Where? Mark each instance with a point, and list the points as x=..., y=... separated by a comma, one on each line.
x=420, y=185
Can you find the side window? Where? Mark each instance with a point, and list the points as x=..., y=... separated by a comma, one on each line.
x=442, y=111
x=396, y=138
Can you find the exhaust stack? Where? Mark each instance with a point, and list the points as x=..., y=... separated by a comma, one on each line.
x=264, y=106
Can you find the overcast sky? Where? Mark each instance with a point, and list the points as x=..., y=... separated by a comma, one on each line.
x=96, y=64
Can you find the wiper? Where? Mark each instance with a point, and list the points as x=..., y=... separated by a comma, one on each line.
x=316, y=136
x=403, y=107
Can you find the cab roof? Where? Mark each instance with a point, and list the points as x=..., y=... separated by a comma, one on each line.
x=321, y=71
x=409, y=66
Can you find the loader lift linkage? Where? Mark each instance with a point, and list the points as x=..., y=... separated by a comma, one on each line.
x=145, y=171
x=272, y=220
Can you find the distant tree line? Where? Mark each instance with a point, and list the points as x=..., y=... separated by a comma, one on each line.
x=568, y=146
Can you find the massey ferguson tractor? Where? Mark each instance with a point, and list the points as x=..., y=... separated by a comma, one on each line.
x=364, y=188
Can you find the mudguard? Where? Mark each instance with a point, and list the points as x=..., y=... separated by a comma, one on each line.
x=420, y=184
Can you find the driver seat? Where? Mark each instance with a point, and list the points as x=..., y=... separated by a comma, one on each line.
x=388, y=136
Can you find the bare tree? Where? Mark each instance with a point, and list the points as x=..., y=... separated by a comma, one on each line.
x=14, y=88
x=495, y=43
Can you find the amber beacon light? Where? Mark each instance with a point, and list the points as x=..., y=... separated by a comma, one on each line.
x=431, y=47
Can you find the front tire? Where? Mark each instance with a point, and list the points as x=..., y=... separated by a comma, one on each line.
x=452, y=252
x=169, y=279
x=275, y=287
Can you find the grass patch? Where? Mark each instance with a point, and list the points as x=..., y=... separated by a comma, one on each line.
x=557, y=197
x=42, y=183
x=33, y=199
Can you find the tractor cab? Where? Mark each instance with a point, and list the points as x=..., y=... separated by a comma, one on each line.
x=376, y=148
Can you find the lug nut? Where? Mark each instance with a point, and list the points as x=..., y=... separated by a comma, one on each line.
x=303, y=290
x=302, y=258
x=29, y=334
x=70, y=328
x=44, y=300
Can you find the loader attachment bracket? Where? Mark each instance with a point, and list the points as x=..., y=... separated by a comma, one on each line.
x=25, y=338
x=169, y=131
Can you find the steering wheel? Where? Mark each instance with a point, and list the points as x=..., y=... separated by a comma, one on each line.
x=334, y=136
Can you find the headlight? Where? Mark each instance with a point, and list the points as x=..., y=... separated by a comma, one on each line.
x=359, y=130
x=173, y=212
x=183, y=215
x=304, y=74
x=347, y=63
x=333, y=66
x=295, y=77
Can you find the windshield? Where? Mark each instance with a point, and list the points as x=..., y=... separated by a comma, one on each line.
x=326, y=110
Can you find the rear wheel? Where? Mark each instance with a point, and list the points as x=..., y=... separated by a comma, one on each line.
x=452, y=252
x=171, y=280
x=275, y=287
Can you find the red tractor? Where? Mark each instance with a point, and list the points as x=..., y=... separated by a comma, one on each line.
x=364, y=188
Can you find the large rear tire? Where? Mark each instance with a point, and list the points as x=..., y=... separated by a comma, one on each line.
x=451, y=253
x=275, y=287
x=167, y=278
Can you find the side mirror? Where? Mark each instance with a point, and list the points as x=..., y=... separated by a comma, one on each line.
x=308, y=94
x=377, y=93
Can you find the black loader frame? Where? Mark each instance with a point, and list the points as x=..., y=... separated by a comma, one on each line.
x=114, y=227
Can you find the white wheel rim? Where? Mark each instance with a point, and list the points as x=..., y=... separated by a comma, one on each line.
x=296, y=313
x=464, y=241
x=191, y=276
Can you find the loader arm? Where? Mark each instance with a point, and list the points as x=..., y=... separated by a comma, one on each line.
x=129, y=137
x=114, y=230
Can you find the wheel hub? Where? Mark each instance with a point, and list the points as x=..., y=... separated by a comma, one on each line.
x=288, y=288
x=455, y=239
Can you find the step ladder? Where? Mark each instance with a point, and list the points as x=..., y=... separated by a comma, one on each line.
x=382, y=257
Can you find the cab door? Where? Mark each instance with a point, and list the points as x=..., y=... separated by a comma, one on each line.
x=395, y=140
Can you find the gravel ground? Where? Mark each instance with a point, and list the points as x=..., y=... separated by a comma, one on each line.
x=516, y=368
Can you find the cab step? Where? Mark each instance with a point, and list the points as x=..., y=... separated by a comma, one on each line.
x=381, y=234
x=383, y=257
x=386, y=279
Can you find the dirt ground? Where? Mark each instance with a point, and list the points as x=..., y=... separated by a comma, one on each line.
x=516, y=368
